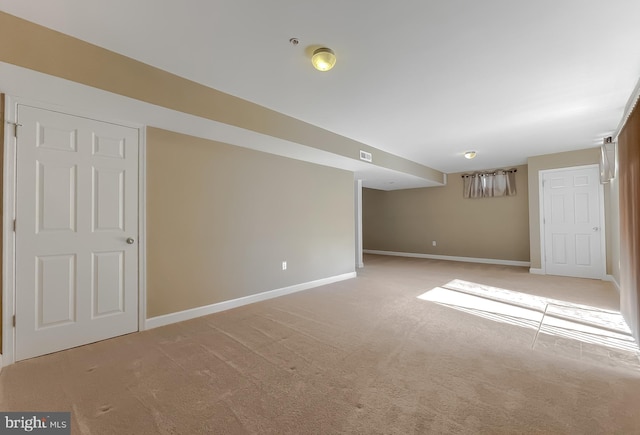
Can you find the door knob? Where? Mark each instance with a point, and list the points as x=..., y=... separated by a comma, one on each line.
x=130, y=241
x=595, y=228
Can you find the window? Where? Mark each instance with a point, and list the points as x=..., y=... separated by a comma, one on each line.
x=501, y=182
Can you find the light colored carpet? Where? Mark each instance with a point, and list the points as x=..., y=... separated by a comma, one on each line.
x=361, y=356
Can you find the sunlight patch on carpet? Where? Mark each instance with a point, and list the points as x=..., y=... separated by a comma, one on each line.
x=551, y=317
x=485, y=307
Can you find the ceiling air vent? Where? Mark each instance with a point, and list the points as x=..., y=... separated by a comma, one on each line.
x=365, y=156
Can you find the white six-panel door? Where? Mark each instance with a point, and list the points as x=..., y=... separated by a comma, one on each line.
x=76, y=231
x=572, y=223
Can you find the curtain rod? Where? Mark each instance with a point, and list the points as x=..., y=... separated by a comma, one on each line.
x=494, y=172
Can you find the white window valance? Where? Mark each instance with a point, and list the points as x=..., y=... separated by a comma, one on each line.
x=499, y=182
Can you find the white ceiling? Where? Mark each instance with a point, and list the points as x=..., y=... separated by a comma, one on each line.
x=426, y=80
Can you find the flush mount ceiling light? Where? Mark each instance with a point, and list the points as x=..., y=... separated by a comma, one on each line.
x=469, y=154
x=323, y=59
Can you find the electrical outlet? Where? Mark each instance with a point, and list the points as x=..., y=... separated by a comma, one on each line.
x=433, y=243
x=284, y=265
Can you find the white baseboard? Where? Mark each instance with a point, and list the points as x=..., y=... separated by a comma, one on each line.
x=613, y=280
x=606, y=277
x=181, y=316
x=450, y=258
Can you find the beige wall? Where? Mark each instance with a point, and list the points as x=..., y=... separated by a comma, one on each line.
x=409, y=220
x=555, y=161
x=221, y=219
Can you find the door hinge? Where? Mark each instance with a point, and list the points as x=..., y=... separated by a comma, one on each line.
x=14, y=320
x=14, y=225
x=15, y=128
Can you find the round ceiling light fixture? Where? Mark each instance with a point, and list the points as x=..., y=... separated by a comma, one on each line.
x=323, y=59
x=470, y=154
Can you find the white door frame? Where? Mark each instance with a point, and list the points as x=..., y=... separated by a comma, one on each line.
x=9, y=212
x=358, y=195
x=603, y=241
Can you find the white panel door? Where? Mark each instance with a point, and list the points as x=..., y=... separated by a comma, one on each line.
x=76, y=231
x=572, y=223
